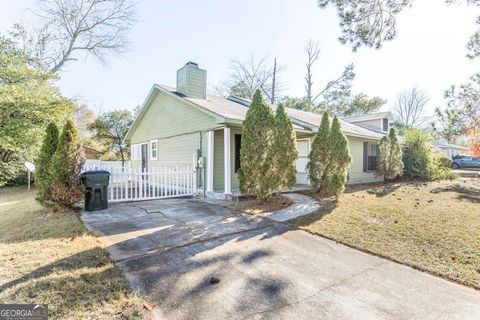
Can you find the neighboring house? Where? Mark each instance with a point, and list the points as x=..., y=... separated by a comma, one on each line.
x=379, y=122
x=91, y=153
x=451, y=150
x=185, y=126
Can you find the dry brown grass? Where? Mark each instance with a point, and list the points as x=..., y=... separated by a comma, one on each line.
x=50, y=258
x=432, y=226
x=253, y=206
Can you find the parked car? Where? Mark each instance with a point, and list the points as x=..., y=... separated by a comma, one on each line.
x=466, y=162
x=458, y=156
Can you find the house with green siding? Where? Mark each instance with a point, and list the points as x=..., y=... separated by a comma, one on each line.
x=183, y=126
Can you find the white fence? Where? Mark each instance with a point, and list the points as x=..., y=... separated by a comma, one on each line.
x=157, y=183
x=133, y=184
x=92, y=164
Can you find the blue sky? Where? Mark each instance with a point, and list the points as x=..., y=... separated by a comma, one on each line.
x=429, y=51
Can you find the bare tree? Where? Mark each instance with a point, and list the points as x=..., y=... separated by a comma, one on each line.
x=336, y=95
x=335, y=91
x=409, y=107
x=247, y=76
x=313, y=54
x=71, y=29
x=274, y=78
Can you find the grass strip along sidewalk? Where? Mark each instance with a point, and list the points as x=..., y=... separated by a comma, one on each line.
x=49, y=258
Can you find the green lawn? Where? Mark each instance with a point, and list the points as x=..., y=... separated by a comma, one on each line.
x=431, y=226
x=48, y=257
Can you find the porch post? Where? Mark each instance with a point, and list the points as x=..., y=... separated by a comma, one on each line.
x=210, y=154
x=226, y=143
x=309, y=149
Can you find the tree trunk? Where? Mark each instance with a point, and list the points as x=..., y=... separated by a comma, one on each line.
x=123, y=159
x=273, y=81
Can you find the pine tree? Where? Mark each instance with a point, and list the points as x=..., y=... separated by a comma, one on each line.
x=336, y=171
x=255, y=174
x=65, y=168
x=42, y=177
x=283, y=151
x=319, y=154
x=390, y=163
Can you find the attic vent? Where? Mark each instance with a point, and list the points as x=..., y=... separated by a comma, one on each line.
x=192, y=81
x=239, y=100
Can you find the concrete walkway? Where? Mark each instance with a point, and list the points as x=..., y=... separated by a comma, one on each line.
x=301, y=206
x=169, y=251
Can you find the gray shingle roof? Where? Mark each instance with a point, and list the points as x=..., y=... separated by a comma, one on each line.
x=347, y=128
x=236, y=111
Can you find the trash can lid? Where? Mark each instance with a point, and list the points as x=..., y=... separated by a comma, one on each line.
x=95, y=172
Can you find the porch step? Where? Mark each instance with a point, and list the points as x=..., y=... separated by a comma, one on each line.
x=222, y=196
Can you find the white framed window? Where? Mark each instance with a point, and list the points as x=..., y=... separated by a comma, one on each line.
x=153, y=149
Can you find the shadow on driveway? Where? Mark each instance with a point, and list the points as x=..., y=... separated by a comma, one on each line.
x=170, y=250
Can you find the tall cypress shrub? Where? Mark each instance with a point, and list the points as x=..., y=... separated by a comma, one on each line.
x=390, y=163
x=336, y=185
x=65, y=168
x=255, y=173
x=418, y=155
x=283, y=151
x=42, y=165
x=319, y=154
x=339, y=162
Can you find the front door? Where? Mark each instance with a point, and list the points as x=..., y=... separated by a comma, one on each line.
x=303, y=147
x=144, y=157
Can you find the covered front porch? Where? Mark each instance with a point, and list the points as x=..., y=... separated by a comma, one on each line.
x=223, y=161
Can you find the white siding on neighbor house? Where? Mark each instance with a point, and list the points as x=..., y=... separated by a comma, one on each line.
x=375, y=124
x=450, y=153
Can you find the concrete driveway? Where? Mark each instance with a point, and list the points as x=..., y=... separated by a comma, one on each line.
x=170, y=249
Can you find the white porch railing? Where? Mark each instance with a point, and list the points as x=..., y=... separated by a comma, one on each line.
x=157, y=183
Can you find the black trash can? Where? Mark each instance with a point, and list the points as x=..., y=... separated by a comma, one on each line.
x=96, y=189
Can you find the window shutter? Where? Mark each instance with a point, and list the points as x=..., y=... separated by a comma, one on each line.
x=365, y=156
x=238, y=141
